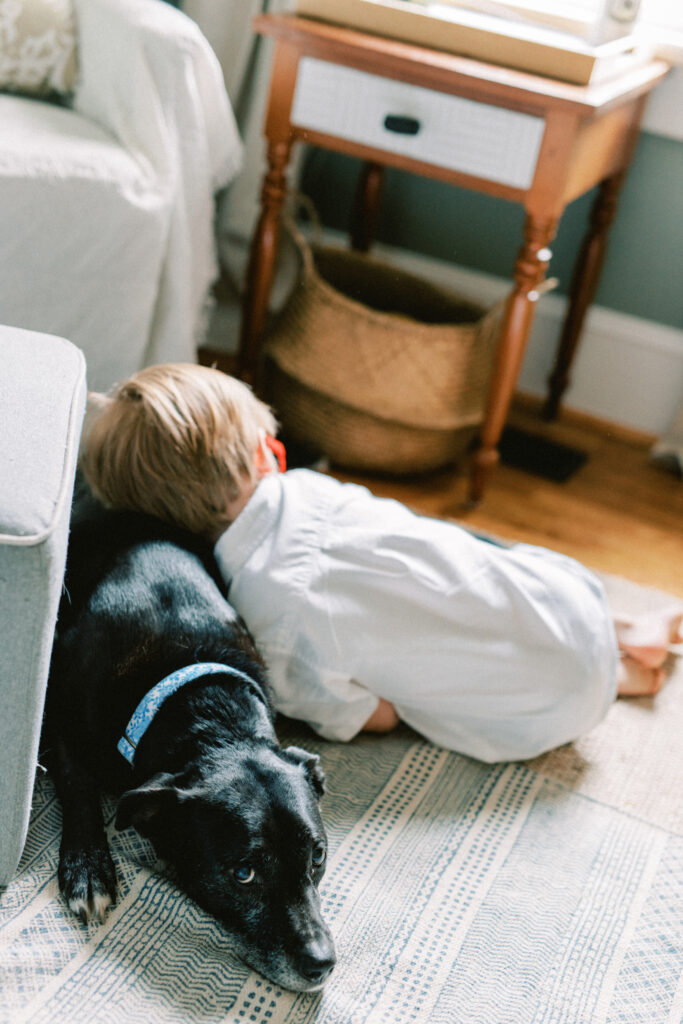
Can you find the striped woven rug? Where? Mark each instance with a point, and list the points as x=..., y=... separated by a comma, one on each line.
x=457, y=892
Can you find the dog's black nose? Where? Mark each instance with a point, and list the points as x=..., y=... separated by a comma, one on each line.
x=316, y=962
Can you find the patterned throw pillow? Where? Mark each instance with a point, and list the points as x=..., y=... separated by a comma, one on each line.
x=37, y=46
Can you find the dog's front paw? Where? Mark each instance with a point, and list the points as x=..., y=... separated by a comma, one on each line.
x=87, y=880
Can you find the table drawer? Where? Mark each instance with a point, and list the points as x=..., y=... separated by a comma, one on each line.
x=433, y=127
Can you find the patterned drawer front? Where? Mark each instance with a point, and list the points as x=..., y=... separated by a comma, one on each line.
x=457, y=134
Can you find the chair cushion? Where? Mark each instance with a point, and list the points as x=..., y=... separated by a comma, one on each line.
x=41, y=140
x=38, y=46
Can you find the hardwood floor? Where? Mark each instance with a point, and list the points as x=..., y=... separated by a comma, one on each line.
x=619, y=513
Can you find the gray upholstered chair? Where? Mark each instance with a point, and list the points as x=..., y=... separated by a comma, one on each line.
x=42, y=399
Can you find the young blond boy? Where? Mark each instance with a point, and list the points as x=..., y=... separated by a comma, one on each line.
x=366, y=613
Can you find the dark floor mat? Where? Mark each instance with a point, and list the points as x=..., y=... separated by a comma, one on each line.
x=537, y=455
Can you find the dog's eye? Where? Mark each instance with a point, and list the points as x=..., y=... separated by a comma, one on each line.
x=243, y=874
x=318, y=855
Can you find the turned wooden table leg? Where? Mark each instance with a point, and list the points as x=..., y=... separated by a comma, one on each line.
x=264, y=248
x=585, y=280
x=366, y=206
x=530, y=268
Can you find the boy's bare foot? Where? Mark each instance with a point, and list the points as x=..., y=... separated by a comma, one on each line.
x=637, y=680
x=647, y=639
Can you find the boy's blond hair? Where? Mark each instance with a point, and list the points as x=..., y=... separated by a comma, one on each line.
x=178, y=441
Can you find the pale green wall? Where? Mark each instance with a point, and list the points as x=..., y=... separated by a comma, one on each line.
x=643, y=275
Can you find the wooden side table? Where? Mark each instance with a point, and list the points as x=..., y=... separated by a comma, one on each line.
x=533, y=140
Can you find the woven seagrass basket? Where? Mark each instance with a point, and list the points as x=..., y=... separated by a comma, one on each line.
x=377, y=369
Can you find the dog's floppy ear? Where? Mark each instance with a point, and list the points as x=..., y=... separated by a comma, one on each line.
x=142, y=807
x=311, y=765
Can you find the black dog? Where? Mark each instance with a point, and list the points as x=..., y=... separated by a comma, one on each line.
x=234, y=814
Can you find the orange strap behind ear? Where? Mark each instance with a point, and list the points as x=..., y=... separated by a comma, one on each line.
x=278, y=450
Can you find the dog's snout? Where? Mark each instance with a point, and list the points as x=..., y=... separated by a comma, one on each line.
x=317, y=960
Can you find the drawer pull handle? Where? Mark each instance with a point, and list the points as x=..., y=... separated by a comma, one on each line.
x=401, y=124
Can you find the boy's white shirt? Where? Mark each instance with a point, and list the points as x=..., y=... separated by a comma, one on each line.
x=497, y=653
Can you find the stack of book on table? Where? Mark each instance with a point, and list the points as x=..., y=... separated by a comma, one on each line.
x=513, y=41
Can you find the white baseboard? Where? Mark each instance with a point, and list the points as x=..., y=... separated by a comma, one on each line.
x=627, y=370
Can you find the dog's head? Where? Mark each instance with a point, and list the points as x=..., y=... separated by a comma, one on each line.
x=246, y=839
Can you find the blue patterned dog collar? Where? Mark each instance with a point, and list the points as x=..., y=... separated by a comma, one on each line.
x=152, y=701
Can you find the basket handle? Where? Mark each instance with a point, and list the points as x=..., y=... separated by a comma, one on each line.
x=300, y=199
x=297, y=235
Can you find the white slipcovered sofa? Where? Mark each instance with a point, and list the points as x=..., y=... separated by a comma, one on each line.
x=107, y=201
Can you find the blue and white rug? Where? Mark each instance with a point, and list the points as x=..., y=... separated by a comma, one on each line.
x=458, y=893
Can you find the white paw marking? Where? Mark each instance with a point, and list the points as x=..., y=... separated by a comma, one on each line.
x=94, y=909
x=80, y=909
x=100, y=904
